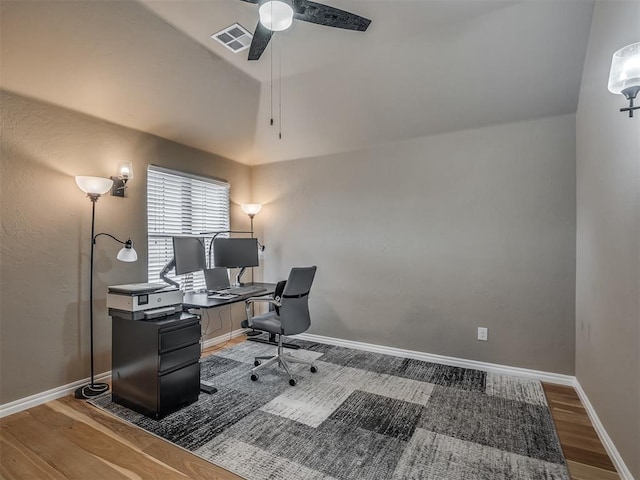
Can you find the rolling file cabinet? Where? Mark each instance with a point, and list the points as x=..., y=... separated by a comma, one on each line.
x=155, y=363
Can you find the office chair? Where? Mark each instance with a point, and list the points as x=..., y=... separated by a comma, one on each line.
x=289, y=315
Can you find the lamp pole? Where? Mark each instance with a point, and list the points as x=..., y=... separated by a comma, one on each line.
x=93, y=389
x=126, y=254
x=251, y=222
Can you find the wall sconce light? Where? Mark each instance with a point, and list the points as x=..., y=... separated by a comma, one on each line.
x=125, y=173
x=95, y=187
x=624, y=77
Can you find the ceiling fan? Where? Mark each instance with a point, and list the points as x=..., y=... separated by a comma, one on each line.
x=278, y=15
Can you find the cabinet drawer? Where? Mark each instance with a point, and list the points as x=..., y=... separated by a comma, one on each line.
x=179, y=387
x=182, y=356
x=179, y=338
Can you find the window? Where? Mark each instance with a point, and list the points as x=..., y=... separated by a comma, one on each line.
x=181, y=204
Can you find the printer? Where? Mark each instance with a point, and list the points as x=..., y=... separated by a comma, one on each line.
x=143, y=301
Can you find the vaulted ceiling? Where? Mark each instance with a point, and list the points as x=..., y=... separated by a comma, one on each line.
x=422, y=68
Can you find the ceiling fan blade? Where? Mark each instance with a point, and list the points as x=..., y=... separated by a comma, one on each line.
x=332, y=17
x=261, y=38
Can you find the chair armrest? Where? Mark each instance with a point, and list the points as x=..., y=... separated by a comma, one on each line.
x=250, y=300
x=263, y=299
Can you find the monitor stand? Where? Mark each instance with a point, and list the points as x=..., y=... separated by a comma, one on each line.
x=167, y=268
x=240, y=273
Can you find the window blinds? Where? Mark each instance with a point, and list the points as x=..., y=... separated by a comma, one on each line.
x=181, y=204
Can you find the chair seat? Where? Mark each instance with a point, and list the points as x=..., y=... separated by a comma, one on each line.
x=268, y=322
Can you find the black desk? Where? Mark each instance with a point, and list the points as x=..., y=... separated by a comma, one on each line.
x=200, y=300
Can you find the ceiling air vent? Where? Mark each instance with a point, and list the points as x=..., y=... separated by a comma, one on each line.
x=236, y=38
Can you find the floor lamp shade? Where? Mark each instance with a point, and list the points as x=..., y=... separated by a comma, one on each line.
x=251, y=209
x=94, y=185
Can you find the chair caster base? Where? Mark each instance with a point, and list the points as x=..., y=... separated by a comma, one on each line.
x=292, y=382
x=254, y=377
x=256, y=363
x=313, y=369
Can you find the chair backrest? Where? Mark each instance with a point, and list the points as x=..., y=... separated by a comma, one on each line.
x=294, y=312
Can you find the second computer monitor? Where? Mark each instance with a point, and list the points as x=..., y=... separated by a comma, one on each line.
x=235, y=252
x=189, y=254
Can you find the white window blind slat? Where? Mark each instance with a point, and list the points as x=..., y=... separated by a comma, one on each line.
x=181, y=204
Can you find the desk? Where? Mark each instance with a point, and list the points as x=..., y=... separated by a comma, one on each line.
x=200, y=300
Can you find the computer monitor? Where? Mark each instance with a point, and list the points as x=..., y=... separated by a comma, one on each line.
x=189, y=254
x=235, y=253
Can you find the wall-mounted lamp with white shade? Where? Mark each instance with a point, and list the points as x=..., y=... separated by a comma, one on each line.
x=125, y=173
x=624, y=76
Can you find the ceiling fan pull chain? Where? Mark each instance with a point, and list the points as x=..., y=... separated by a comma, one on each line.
x=271, y=86
x=280, y=84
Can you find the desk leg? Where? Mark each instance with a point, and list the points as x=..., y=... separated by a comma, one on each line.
x=207, y=388
x=272, y=341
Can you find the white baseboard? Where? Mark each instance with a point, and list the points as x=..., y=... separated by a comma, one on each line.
x=47, y=396
x=59, y=392
x=556, y=378
x=611, y=449
x=210, y=342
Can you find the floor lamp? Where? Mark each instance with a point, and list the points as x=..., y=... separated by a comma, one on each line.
x=94, y=187
x=252, y=210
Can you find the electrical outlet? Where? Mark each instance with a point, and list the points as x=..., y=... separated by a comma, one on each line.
x=483, y=333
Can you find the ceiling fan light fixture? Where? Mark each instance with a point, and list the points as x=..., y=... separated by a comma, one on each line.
x=276, y=15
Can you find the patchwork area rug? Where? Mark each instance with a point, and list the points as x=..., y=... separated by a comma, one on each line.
x=362, y=416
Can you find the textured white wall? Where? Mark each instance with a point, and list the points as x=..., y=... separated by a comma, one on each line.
x=46, y=230
x=419, y=243
x=608, y=237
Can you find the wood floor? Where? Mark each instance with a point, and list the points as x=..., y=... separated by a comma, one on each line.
x=586, y=457
x=70, y=439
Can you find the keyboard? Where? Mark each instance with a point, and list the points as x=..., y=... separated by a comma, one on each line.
x=221, y=296
x=246, y=290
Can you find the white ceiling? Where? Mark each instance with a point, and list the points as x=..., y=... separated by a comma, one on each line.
x=422, y=68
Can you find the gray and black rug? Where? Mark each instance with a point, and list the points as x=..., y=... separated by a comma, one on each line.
x=362, y=416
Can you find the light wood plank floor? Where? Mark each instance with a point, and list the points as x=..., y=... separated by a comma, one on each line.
x=586, y=457
x=70, y=439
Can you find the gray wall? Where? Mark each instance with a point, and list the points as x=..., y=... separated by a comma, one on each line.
x=608, y=237
x=419, y=243
x=46, y=229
